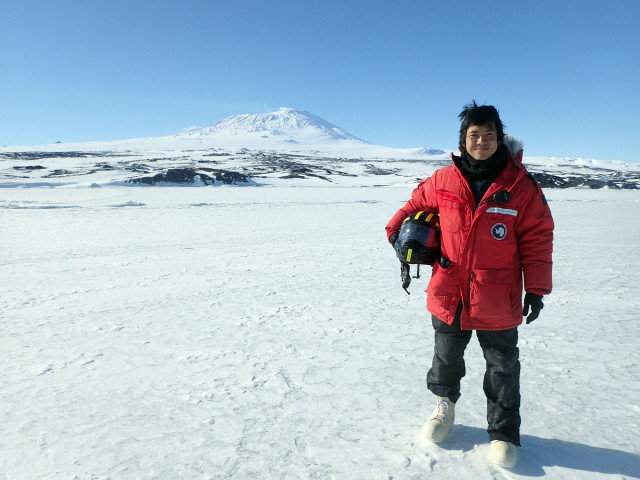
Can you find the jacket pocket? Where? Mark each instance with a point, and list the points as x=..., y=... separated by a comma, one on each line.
x=495, y=294
x=454, y=212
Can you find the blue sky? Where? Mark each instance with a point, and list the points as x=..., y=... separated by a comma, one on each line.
x=565, y=75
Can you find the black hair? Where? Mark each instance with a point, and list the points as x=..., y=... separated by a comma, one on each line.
x=474, y=114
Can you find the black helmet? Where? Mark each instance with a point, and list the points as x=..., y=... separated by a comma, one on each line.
x=419, y=239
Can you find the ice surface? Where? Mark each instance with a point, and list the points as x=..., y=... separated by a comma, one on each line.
x=231, y=332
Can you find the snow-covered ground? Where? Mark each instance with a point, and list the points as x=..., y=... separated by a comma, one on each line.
x=262, y=333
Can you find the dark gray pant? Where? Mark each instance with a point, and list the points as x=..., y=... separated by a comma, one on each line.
x=501, y=378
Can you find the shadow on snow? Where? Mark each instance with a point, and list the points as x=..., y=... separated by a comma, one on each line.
x=539, y=453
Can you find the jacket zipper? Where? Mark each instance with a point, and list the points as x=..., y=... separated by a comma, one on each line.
x=482, y=202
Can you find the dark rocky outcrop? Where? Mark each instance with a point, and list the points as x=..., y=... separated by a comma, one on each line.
x=184, y=176
x=30, y=167
x=208, y=167
x=615, y=182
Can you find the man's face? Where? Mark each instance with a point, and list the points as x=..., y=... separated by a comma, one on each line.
x=481, y=141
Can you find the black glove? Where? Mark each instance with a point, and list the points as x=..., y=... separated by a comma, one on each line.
x=534, y=301
x=393, y=237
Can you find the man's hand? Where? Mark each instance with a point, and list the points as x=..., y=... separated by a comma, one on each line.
x=393, y=237
x=534, y=301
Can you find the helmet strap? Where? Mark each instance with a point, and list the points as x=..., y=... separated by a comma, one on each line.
x=405, y=275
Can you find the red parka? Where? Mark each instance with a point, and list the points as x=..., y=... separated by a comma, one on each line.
x=491, y=248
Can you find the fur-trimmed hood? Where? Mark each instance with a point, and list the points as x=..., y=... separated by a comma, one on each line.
x=514, y=145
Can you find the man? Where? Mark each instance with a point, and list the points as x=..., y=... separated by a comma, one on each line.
x=496, y=239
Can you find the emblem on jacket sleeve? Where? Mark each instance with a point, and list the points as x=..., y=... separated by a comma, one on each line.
x=499, y=231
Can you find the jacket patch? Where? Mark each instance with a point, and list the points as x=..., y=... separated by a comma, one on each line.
x=499, y=231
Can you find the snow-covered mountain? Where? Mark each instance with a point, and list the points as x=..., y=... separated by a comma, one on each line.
x=270, y=148
x=286, y=124
x=284, y=131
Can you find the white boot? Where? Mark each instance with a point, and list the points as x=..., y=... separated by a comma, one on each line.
x=503, y=453
x=441, y=420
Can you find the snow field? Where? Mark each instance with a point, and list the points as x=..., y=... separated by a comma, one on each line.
x=214, y=333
